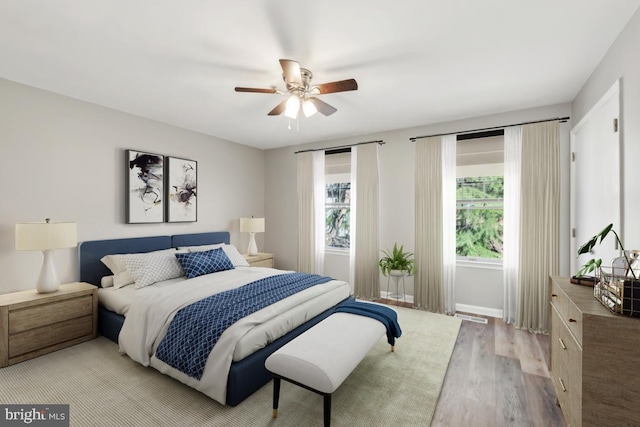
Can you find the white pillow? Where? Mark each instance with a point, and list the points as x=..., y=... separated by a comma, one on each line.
x=152, y=267
x=236, y=258
x=200, y=248
x=121, y=277
x=106, y=281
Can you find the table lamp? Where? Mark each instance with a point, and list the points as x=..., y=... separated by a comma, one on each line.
x=46, y=236
x=252, y=226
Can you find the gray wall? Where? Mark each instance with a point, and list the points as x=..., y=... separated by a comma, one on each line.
x=64, y=159
x=480, y=287
x=622, y=61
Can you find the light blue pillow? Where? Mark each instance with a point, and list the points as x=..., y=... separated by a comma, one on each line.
x=196, y=264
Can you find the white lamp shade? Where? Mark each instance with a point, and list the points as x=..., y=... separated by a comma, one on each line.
x=293, y=106
x=309, y=108
x=41, y=236
x=252, y=225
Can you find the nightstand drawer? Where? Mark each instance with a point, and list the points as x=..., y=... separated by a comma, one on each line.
x=264, y=263
x=47, y=314
x=39, y=338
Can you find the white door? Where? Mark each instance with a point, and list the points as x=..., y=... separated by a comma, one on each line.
x=595, y=179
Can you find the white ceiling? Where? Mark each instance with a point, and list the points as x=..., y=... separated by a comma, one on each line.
x=417, y=62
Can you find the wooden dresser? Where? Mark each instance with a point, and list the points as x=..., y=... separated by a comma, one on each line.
x=594, y=359
x=33, y=324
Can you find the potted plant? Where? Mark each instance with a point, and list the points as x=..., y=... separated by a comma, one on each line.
x=397, y=262
x=594, y=264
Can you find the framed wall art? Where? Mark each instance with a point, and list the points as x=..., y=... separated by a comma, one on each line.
x=145, y=187
x=182, y=186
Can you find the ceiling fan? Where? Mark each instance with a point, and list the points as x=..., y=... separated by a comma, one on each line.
x=302, y=94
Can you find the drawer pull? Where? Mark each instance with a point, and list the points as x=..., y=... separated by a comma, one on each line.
x=564, y=347
x=562, y=384
x=572, y=320
x=554, y=295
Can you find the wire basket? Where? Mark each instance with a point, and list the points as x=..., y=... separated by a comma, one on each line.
x=617, y=291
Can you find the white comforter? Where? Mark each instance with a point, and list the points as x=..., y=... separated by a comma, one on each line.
x=149, y=317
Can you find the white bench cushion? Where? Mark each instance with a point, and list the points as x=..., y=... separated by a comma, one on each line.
x=323, y=356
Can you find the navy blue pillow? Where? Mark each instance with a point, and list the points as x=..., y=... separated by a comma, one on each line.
x=196, y=264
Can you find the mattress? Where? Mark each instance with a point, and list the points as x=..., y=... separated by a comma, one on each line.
x=121, y=300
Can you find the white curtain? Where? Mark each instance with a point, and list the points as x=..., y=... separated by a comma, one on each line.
x=449, y=174
x=429, y=279
x=539, y=223
x=310, y=191
x=365, y=193
x=511, y=228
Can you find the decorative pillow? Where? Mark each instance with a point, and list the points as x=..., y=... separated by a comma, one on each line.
x=199, y=263
x=236, y=258
x=106, y=281
x=149, y=268
x=121, y=277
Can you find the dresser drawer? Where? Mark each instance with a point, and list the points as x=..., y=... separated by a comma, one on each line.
x=559, y=300
x=45, y=336
x=40, y=315
x=574, y=321
x=566, y=367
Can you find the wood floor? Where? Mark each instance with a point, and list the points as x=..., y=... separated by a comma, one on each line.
x=497, y=377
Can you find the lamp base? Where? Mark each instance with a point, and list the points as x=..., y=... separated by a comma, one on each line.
x=48, y=280
x=253, y=248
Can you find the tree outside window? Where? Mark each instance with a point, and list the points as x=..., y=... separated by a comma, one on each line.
x=337, y=214
x=479, y=216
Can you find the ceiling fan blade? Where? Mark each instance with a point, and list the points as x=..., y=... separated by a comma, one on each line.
x=323, y=107
x=279, y=109
x=258, y=90
x=339, y=86
x=291, y=71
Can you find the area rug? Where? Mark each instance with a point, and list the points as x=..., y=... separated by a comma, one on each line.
x=105, y=388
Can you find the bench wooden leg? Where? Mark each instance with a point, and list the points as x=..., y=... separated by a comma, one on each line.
x=276, y=396
x=327, y=409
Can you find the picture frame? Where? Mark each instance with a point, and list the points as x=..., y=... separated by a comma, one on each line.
x=144, y=187
x=181, y=192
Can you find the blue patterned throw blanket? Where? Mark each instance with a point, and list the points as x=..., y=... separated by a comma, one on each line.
x=387, y=316
x=196, y=328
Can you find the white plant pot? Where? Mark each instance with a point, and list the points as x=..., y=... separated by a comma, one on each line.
x=397, y=273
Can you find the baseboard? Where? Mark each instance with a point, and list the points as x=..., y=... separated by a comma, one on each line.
x=483, y=311
x=386, y=295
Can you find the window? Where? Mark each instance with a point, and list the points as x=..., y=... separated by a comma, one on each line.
x=480, y=198
x=337, y=204
x=337, y=214
x=479, y=216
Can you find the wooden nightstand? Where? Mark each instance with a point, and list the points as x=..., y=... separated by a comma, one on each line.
x=33, y=324
x=260, y=260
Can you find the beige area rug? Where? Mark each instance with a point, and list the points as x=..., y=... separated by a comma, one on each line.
x=105, y=388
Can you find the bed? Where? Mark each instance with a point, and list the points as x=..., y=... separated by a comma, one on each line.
x=246, y=373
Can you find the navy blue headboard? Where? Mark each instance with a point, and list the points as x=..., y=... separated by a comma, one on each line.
x=197, y=239
x=90, y=252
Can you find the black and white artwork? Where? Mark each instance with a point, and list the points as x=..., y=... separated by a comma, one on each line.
x=182, y=187
x=145, y=187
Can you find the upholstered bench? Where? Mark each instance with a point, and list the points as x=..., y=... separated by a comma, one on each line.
x=321, y=358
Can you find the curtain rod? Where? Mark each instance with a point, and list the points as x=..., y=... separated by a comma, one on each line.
x=379, y=141
x=560, y=119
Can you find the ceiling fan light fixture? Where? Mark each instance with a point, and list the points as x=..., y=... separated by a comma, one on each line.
x=293, y=106
x=309, y=108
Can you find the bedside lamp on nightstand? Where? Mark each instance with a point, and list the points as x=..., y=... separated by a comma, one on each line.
x=252, y=226
x=46, y=236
